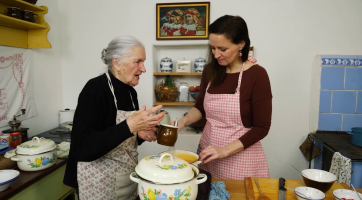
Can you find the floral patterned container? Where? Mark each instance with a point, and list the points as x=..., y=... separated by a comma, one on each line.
x=164, y=177
x=35, y=155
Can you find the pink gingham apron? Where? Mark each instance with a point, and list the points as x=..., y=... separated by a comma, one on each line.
x=223, y=127
x=108, y=176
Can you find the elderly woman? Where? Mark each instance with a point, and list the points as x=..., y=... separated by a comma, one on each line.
x=108, y=126
x=195, y=23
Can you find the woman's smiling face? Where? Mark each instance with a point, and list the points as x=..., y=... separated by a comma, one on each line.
x=131, y=67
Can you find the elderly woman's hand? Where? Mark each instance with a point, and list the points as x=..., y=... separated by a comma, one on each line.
x=142, y=121
x=147, y=135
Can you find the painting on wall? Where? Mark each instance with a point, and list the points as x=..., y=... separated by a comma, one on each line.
x=182, y=21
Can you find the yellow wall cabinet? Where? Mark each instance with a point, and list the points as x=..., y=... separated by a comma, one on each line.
x=19, y=33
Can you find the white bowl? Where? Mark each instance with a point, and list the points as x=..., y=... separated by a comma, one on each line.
x=343, y=193
x=7, y=176
x=309, y=192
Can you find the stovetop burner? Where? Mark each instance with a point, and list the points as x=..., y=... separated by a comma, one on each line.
x=205, y=187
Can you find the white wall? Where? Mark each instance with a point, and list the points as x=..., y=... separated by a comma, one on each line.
x=287, y=35
x=47, y=77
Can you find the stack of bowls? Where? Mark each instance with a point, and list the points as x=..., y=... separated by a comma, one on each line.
x=7, y=177
x=319, y=179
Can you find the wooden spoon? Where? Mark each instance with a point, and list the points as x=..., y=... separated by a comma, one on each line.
x=262, y=196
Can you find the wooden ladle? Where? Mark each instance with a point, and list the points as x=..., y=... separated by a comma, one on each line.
x=262, y=196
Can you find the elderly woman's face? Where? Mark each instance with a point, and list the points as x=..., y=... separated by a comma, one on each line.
x=131, y=67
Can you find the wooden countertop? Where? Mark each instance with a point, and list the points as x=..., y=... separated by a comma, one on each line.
x=27, y=178
x=238, y=191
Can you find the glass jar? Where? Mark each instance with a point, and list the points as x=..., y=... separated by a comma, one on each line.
x=15, y=139
x=184, y=91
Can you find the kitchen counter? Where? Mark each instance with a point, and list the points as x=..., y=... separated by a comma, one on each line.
x=237, y=189
x=31, y=185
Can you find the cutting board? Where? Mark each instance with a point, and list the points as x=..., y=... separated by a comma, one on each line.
x=270, y=187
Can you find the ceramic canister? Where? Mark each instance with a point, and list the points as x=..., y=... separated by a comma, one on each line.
x=166, y=65
x=199, y=64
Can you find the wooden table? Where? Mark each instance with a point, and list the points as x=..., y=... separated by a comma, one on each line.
x=238, y=191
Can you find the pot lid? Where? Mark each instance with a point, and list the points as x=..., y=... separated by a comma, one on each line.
x=35, y=146
x=164, y=169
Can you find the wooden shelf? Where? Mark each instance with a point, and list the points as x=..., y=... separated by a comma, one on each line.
x=22, y=4
x=176, y=103
x=176, y=74
x=18, y=23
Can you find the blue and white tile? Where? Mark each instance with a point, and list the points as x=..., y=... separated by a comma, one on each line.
x=359, y=102
x=353, y=78
x=344, y=101
x=350, y=121
x=329, y=122
x=359, y=61
x=325, y=99
x=332, y=78
x=339, y=60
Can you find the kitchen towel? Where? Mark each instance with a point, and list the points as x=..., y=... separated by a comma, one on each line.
x=218, y=191
x=63, y=150
x=342, y=168
x=16, y=90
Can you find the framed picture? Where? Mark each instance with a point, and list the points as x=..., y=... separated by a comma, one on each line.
x=182, y=21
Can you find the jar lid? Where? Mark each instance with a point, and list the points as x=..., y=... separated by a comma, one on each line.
x=164, y=169
x=15, y=134
x=165, y=59
x=35, y=146
x=200, y=59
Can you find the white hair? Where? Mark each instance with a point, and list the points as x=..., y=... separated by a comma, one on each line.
x=119, y=47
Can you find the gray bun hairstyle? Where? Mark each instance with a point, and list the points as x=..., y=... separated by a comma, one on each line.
x=119, y=47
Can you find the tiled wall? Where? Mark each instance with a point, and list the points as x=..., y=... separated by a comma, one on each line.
x=340, y=105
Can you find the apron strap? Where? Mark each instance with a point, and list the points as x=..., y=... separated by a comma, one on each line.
x=240, y=76
x=112, y=90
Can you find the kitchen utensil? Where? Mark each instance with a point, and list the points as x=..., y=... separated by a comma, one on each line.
x=199, y=64
x=35, y=155
x=312, y=193
x=356, y=192
x=167, y=135
x=7, y=176
x=166, y=65
x=14, y=12
x=356, y=138
x=183, y=65
x=159, y=177
x=282, y=190
x=298, y=170
x=299, y=193
x=346, y=194
x=319, y=179
x=262, y=196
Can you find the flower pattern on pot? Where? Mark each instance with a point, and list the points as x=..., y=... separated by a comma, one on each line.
x=29, y=147
x=153, y=194
x=42, y=161
x=153, y=157
x=174, y=167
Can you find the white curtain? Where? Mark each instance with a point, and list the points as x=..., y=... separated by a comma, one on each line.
x=16, y=90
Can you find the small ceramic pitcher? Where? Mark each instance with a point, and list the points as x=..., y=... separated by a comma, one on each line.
x=167, y=135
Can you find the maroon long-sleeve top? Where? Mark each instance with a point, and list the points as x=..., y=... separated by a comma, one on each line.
x=255, y=100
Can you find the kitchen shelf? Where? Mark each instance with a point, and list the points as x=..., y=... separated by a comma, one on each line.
x=22, y=4
x=18, y=23
x=176, y=74
x=176, y=103
x=20, y=33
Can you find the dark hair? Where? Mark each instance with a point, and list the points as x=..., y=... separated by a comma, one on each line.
x=235, y=29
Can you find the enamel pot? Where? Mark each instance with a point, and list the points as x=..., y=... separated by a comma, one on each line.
x=356, y=138
x=35, y=155
x=167, y=177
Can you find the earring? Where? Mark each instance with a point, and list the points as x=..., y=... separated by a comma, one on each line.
x=240, y=54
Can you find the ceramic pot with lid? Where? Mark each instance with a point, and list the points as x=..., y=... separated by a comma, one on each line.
x=166, y=65
x=35, y=155
x=183, y=65
x=199, y=64
x=163, y=176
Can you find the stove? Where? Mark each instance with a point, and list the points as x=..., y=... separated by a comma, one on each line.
x=47, y=135
x=205, y=187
